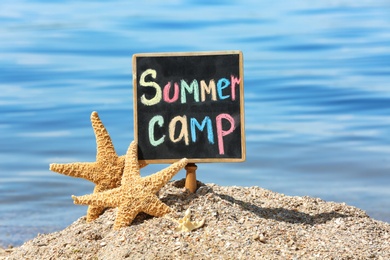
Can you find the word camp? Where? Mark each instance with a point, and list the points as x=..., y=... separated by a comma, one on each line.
x=173, y=92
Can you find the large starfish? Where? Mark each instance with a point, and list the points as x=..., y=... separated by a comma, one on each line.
x=106, y=172
x=136, y=194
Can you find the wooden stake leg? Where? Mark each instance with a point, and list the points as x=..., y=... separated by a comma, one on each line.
x=191, y=177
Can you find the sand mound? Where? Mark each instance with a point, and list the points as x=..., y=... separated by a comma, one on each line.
x=240, y=223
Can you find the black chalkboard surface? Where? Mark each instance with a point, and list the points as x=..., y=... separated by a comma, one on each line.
x=189, y=105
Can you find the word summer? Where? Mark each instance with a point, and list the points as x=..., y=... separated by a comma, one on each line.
x=171, y=93
x=194, y=125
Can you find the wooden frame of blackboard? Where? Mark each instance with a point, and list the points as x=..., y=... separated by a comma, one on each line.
x=193, y=159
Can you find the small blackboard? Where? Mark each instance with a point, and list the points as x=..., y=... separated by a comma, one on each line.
x=189, y=105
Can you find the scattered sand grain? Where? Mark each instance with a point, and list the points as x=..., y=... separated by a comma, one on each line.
x=240, y=223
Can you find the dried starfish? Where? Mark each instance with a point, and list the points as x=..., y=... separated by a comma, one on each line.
x=106, y=172
x=186, y=225
x=136, y=194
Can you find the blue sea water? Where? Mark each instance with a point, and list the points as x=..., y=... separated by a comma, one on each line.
x=317, y=96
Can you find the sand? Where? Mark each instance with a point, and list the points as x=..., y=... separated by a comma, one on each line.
x=240, y=223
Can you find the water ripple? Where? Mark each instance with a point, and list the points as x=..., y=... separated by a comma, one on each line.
x=316, y=96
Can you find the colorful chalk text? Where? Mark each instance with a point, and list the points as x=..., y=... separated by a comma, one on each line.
x=196, y=112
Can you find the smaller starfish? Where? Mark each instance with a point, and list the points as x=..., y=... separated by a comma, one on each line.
x=186, y=225
x=106, y=172
x=136, y=194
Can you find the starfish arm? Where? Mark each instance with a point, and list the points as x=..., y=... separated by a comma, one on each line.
x=109, y=198
x=78, y=170
x=131, y=169
x=141, y=164
x=124, y=216
x=155, y=207
x=104, y=146
x=158, y=180
x=94, y=212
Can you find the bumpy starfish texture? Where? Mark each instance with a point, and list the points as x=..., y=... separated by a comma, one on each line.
x=186, y=225
x=136, y=194
x=106, y=172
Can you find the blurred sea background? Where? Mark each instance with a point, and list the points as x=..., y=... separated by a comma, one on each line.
x=317, y=96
